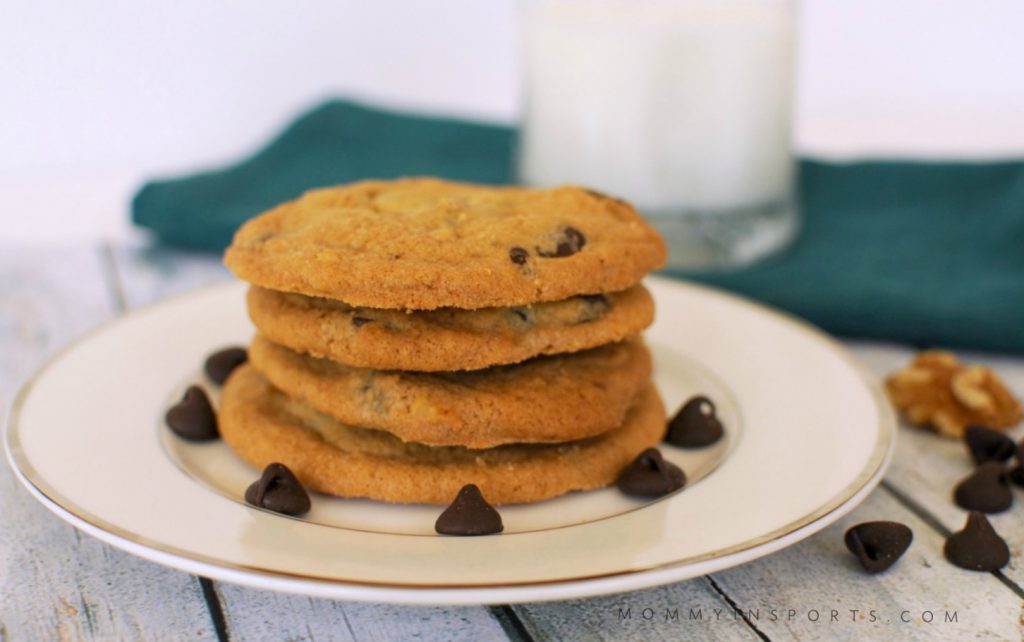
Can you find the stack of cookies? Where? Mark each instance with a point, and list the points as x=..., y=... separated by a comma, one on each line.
x=419, y=335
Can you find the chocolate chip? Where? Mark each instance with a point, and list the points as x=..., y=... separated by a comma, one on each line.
x=361, y=321
x=193, y=418
x=278, y=490
x=569, y=241
x=595, y=306
x=986, y=444
x=469, y=514
x=986, y=489
x=521, y=313
x=650, y=476
x=518, y=255
x=878, y=545
x=222, y=363
x=1016, y=474
x=695, y=425
x=978, y=546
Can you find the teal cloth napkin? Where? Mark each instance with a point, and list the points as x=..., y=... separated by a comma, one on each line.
x=924, y=253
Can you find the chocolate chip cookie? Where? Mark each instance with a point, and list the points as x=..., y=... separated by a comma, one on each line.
x=547, y=399
x=447, y=338
x=424, y=243
x=264, y=426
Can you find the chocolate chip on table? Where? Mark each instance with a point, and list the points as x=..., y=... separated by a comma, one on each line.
x=986, y=444
x=518, y=255
x=987, y=489
x=1016, y=474
x=569, y=241
x=359, y=322
x=978, y=547
x=650, y=476
x=193, y=418
x=222, y=363
x=695, y=425
x=278, y=490
x=469, y=514
x=878, y=545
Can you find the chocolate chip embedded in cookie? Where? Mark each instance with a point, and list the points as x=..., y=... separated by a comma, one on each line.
x=263, y=426
x=548, y=399
x=566, y=241
x=447, y=339
x=423, y=243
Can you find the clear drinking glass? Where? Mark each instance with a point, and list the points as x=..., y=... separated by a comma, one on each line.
x=682, y=107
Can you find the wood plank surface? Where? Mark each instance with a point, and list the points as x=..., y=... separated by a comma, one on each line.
x=685, y=610
x=145, y=274
x=815, y=586
x=267, y=615
x=55, y=583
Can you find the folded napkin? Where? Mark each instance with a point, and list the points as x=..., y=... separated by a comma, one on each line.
x=925, y=253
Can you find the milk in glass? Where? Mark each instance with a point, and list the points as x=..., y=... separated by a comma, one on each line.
x=682, y=107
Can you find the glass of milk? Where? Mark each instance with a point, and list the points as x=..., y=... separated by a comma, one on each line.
x=682, y=107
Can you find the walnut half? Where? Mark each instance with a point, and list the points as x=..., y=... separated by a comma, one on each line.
x=937, y=390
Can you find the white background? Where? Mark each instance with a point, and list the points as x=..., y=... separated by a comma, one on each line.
x=95, y=96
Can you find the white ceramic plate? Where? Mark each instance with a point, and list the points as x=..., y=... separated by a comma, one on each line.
x=808, y=437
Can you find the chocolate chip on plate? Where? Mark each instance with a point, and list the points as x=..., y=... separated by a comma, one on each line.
x=695, y=425
x=193, y=418
x=878, y=545
x=359, y=322
x=278, y=490
x=518, y=255
x=978, y=547
x=568, y=241
x=220, y=364
x=986, y=489
x=650, y=476
x=986, y=444
x=469, y=514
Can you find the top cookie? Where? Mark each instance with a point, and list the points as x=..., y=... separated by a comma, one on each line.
x=423, y=243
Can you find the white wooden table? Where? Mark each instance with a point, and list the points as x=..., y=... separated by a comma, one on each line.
x=56, y=583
